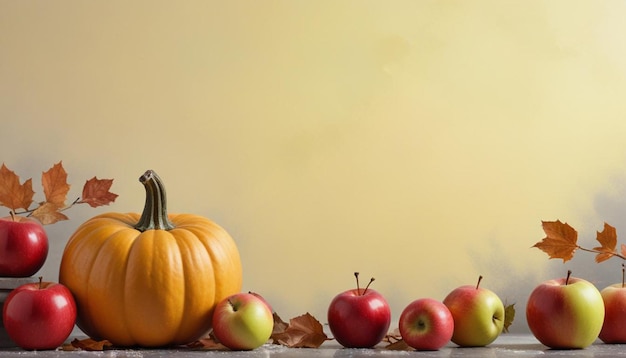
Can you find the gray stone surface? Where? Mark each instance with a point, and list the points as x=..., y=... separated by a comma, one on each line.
x=507, y=345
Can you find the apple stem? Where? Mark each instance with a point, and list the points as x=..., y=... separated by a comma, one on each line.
x=12, y=213
x=40, y=282
x=480, y=278
x=356, y=275
x=233, y=305
x=569, y=273
x=368, y=285
x=623, y=272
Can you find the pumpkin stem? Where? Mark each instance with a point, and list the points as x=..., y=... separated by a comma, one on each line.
x=154, y=216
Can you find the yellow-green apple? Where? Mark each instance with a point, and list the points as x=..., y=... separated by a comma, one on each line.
x=565, y=313
x=39, y=316
x=262, y=299
x=242, y=321
x=359, y=318
x=478, y=315
x=426, y=324
x=23, y=246
x=614, y=297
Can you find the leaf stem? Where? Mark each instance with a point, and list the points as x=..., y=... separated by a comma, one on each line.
x=614, y=253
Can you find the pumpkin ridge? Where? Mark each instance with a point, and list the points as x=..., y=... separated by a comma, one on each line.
x=186, y=240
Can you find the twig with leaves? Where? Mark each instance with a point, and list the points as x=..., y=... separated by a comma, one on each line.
x=19, y=197
x=561, y=242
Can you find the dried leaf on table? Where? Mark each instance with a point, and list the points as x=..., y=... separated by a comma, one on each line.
x=87, y=344
x=208, y=343
x=396, y=343
x=509, y=316
x=302, y=332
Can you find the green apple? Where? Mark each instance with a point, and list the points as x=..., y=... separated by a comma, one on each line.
x=565, y=313
x=478, y=315
x=242, y=321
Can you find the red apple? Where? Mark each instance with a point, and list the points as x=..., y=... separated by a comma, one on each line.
x=614, y=297
x=565, y=313
x=478, y=315
x=359, y=318
x=242, y=321
x=39, y=316
x=23, y=246
x=426, y=324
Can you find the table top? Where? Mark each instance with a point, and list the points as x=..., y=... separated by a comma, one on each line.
x=507, y=345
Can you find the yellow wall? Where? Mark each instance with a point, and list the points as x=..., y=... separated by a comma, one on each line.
x=420, y=142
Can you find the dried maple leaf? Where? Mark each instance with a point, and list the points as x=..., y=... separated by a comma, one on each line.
x=279, y=326
x=88, y=344
x=96, y=192
x=560, y=242
x=208, y=343
x=509, y=317
x=55, y=186
x=399, y=345
x=608, y=241
x=302, y=332
x=396, y=343
x=14, y=195
x=48, y=213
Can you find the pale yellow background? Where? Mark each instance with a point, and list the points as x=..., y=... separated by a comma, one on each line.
x=420, y=142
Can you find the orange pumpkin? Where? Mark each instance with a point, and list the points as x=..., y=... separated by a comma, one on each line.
x=151, y=280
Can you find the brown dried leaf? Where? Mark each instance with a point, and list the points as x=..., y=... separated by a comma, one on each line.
x=302, y=332
x=608, y=241
x=89, y=344
x=396, y=343
x=96, y=192
x=399, y=345
x=623, y=250
x=55, y=187
x=208, y=343
x=14, y=195
x=279, y=326
x=509, y=317
x=560, y=242
x=48, y=213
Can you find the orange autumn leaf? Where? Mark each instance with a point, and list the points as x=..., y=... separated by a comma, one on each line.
x=608, y=241
x=96, y=192
x=14, y=195
x=48, y=213
x=560, y=241
x=623, y=249
x=55, y=187
x=302, y=332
